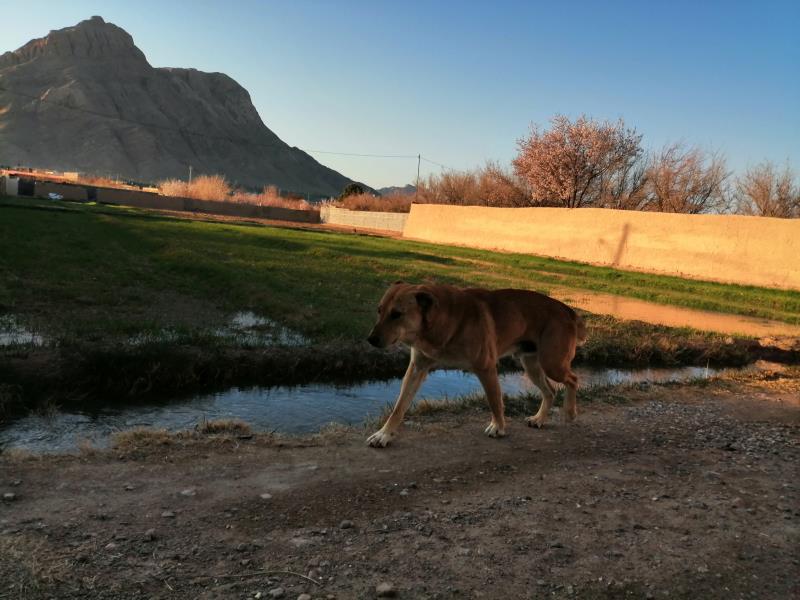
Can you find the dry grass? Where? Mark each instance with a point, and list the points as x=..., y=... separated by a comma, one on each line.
x=215, y=187
x=391, y=203
x=87, y=449
x=269, y=196
x=224, y=426
x=101, y=181
x=203, y=187
x=32, y=569
x=15, y=455
x=140, y=437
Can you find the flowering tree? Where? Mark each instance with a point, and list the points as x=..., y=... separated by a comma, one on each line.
x=574, y=164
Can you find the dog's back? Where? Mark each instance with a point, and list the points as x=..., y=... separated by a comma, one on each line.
x=515, y=309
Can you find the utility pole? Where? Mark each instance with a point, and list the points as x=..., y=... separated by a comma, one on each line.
x=190, y=173
x=416, y=188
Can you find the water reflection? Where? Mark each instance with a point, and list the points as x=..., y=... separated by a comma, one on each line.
x=300, y=409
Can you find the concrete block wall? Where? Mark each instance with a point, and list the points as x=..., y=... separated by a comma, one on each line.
x=364, y=219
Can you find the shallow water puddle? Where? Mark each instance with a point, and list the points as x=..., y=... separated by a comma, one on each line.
x=632, y=309
x=242, y=329
x=249, y=329
x=300, y=409
x=14, y=334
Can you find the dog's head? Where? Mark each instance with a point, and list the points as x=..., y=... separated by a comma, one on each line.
x=402, y=314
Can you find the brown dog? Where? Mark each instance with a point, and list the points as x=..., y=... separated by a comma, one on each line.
x=471, y=329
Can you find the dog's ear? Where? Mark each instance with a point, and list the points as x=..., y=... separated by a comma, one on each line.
x=425, y=300
x=398, y=282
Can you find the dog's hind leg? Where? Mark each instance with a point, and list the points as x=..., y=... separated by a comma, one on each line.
x=563, y=374
x=530, y=362
x=570, y=402
x=418, y=368
x=491, y=385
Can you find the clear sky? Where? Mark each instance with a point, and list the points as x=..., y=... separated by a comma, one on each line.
x=460, y=82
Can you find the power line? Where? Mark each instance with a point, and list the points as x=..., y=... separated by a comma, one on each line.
x=367, y=155
x=438, y=164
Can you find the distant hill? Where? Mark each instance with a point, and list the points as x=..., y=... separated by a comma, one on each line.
x=85, y=99
x=406, y=190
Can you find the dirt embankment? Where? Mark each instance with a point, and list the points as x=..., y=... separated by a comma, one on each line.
x=656, y=492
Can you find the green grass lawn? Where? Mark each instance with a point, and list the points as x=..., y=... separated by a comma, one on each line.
x=91, y=272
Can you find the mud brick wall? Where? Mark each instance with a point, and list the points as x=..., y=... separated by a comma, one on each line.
x=758, y=251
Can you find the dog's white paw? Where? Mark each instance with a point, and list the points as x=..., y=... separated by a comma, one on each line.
x=494, y=430
x=380, y=439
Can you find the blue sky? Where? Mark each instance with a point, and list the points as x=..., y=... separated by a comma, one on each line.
x=460, y=82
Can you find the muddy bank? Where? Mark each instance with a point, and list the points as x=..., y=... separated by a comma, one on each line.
x=81, y=374
x=664, y=492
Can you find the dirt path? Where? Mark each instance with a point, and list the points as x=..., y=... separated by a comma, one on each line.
x=659, y=492
x=631, y=309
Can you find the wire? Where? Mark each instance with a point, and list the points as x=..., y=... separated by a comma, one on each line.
x=367, y=155
x=438, y=164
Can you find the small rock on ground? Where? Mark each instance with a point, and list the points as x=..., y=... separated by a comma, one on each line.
x=385, y=590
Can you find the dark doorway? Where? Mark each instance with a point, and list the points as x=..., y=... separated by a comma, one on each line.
x=26, y=187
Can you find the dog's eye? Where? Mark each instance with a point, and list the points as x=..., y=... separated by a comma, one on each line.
x=395, y=314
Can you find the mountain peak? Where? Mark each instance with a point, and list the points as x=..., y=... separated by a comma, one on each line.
x=84, y=98
x=92, y=39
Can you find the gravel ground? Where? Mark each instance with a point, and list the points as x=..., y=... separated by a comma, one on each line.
x=681, y=491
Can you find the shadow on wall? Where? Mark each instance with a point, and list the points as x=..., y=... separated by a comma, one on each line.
x=622, y=246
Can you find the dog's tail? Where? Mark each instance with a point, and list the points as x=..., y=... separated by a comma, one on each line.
x=581, y=329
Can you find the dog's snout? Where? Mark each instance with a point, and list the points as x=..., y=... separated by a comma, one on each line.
x=374, y=340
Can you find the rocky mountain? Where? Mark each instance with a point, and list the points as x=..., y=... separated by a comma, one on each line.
x=406, y=190
x=85, y=99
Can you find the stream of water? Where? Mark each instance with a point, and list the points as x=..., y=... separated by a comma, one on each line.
x=299, y=409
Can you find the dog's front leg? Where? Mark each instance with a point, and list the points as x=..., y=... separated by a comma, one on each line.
x=491, y=385
x=417, y=370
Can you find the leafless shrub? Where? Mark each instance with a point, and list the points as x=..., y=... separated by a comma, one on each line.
x=687, y=180
x=764, y=191
x=450, y=187
x=625, y=188
x=490, y=185
x=501, y=187
x=388, y=203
